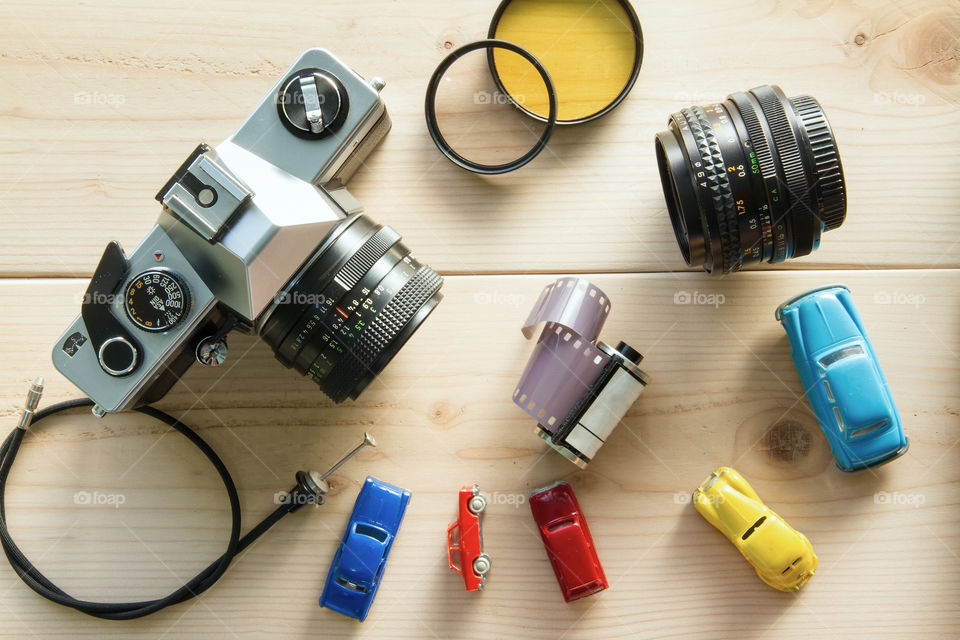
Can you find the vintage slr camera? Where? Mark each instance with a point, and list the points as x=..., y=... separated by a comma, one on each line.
x=259, y=235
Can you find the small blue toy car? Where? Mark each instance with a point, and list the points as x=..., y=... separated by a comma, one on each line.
x=842, y=378
x=357, y=568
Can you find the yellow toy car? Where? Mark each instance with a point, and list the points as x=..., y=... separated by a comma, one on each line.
x=782, y=556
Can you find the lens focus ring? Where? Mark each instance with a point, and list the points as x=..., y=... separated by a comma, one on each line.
x=829, y=174
x=360, y=359
x=791, y=162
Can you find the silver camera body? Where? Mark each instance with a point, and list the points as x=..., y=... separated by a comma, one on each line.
x=239, y=223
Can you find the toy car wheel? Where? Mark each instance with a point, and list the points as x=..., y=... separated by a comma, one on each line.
x=477, y=503
x=481, y=564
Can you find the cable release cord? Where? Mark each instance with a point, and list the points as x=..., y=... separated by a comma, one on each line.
x=310, y=489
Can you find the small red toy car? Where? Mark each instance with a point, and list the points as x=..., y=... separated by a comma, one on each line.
x=465, y=540
x=567, y=540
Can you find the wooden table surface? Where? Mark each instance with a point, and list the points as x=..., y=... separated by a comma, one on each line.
x=100, y=101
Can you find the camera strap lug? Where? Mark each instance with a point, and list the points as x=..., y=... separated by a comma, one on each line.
x=204, y=194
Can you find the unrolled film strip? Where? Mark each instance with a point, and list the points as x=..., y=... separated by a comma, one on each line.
x=565, y=361
x=575, y=387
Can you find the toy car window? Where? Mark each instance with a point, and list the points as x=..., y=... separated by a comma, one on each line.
x=840, y=354
x=862, y=431
x=749, y=532
x=371, y=532
x=713, y=478
x=791, y=566
x=561, y=524
x=352, y=586
x=829, y=390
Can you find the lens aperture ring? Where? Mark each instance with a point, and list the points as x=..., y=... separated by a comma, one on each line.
x=791, y=163
x=382, y=330
x=719, y=186
x=832, y=197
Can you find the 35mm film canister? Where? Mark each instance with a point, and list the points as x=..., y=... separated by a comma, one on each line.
x=576, y=387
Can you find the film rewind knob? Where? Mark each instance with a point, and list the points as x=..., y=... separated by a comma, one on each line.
x=311, y=103
x=314, y=97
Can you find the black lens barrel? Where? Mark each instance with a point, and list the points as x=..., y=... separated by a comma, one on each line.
x=756, y=178
x=348, y=313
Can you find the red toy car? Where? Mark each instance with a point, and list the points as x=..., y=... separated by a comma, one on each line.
x=465, y=540
x=567, y=540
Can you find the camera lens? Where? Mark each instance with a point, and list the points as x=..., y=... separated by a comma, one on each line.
x=756, y=178
x=351, y=308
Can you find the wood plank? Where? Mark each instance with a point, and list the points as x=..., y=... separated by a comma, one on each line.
x=102, y=101
x=723, y=391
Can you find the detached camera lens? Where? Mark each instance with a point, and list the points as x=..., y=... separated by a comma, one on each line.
x=756, y=178
x=348, y=312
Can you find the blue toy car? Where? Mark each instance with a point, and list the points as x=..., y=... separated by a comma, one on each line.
x=357, y=568
x=842, y=378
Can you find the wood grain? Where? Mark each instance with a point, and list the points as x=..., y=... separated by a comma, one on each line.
x=723, y=391
x=102, y=101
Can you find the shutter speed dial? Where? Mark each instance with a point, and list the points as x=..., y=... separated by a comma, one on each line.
x=156, y=300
